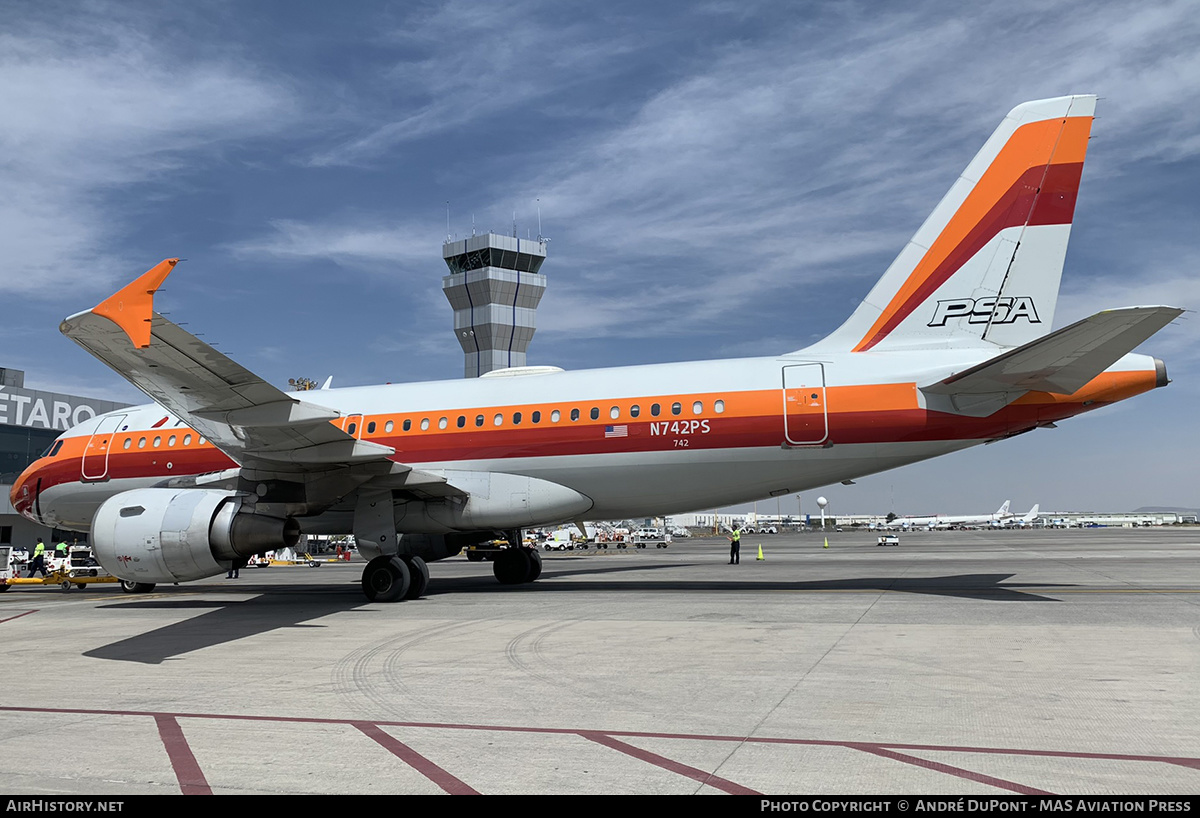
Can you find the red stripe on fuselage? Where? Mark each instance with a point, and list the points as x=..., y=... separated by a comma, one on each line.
x=903, y=425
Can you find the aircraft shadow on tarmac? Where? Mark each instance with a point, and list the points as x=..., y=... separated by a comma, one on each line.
x=292, y=606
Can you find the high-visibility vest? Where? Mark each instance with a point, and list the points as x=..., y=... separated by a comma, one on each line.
x=737, y=536
x=40, y=549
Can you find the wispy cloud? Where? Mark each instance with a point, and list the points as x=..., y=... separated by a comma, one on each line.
x=94, y=105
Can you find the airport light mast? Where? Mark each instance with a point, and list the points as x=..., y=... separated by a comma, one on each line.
x=494, y=288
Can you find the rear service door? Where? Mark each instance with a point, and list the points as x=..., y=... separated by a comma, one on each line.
x=805, y=419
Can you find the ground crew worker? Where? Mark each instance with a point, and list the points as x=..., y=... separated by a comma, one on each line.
x=61, y=548
x=38, y=563
x=735, y=547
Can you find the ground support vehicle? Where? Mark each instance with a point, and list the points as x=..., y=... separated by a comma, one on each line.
x=485, y=550
x=299, y=559
x=888, y=539
x=78, y=570
x=645, y=537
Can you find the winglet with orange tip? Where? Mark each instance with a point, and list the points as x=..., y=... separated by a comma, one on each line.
x=132, y=307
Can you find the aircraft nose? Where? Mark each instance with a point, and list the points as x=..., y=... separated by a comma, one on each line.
x=22, y=495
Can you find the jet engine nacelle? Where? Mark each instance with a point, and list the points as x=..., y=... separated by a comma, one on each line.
x=176, y=535
x=493, y=500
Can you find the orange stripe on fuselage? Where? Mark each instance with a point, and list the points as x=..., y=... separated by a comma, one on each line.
x=879, y=413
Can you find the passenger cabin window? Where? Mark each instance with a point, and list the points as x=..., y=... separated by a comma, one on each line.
x=462, y=421
x=479, y=420
x=171, y=440
x=536, y=417
x=676, y=408
x=443, y=423
x=387, y=427
x=554, y=416
x=498, y=420
x=350, y=429
x=128, y=442
x=697, y=407
x=371, y=428
x=574, y=414
x=595, y=413
x=424, y=424
x=635, y=410
x=187, y=440
x=655, y=409
x=614, y=412
x=516, y=418
x=719, y=406
x=157, y=442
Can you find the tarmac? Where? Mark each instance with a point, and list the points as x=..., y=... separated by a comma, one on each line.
x=959, y=662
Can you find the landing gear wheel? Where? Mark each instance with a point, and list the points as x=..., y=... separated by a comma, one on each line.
x=131, y=587
x=512, y=566
x=385, y=579
x=535, y=565
x=418, y=573
x=4, y=586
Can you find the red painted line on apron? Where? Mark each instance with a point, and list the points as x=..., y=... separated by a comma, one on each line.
x=937, y=766
x=183, y=762
x=703, y=777
x=18, y=616
x=607, y=738
x=412, y=758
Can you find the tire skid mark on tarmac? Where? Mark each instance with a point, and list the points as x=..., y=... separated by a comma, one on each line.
x=358, y=674
x=515, y=651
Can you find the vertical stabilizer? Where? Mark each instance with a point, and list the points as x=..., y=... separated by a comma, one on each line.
x=984, y=268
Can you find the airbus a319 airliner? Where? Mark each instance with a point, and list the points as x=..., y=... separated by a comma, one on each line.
x=951, y=348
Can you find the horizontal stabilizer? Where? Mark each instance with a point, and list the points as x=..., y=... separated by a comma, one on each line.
x=1063, y=361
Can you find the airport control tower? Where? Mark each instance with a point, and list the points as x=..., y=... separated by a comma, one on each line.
x=494, y=288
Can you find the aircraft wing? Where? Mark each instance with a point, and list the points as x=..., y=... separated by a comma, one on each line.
x=1063, y=361
x=253, y=422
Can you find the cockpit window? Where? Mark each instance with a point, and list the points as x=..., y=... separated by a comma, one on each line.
x=53, y=450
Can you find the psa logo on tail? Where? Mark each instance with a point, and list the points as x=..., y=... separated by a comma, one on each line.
x=1006, y=310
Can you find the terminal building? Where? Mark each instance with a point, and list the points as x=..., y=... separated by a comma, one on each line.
x=494, y=287
x=30, y=420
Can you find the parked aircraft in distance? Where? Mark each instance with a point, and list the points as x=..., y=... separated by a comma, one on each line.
x=946, y=520
x=950, y=349
x=1029, y=519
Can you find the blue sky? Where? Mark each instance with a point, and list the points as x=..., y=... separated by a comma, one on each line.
x=718, y=180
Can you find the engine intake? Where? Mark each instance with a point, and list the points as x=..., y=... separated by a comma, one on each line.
x=176, y=535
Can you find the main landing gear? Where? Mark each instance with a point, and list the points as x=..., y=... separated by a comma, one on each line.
x=516, y=565
x=389, y=579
